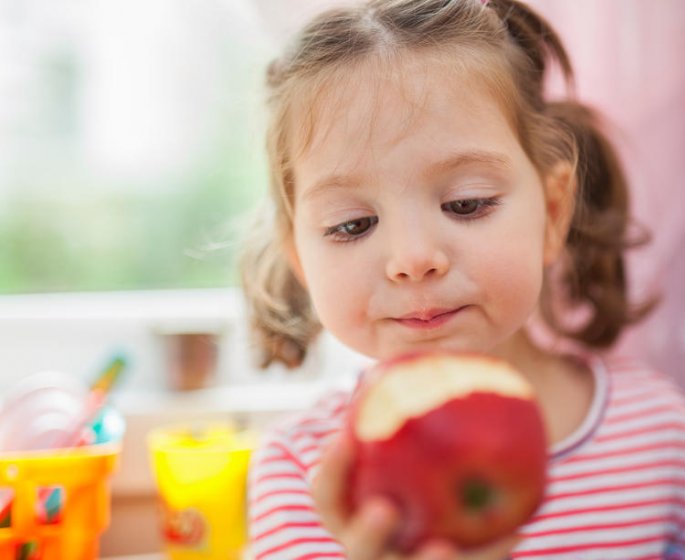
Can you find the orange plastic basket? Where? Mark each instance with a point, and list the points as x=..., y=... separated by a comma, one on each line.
x=54, y=505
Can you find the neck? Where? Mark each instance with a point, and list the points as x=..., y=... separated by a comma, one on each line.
x=533, y=362
x=563, y=388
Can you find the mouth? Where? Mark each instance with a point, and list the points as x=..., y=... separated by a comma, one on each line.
x=429, y=319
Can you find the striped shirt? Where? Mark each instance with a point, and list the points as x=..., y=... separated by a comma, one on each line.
x=616, y=485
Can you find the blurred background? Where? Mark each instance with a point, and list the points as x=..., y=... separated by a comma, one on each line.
x=131, y=139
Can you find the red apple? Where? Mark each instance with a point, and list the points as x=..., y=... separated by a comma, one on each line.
x=456, y=441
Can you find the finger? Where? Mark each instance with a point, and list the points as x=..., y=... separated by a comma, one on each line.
x=497, y=551
x=438, y=550
x=329, y=484
x=444, y=550
x=369, y=531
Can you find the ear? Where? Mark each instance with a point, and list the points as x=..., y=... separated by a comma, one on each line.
x=560, y=192
x=293, y=259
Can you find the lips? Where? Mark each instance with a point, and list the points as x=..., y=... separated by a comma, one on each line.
x=428, y=319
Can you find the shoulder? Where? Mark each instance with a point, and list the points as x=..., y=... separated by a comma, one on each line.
x=327, y=410
x=645, y=406
x=633, y=380
x=317, y=423
x=283, y=521
x=300, y=439
x=626, y=463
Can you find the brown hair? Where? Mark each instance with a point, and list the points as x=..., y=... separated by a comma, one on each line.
x=509, y=47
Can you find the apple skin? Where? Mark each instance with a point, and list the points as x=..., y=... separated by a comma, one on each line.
x=470, y=469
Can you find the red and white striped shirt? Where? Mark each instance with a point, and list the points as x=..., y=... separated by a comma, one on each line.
x=616, y=485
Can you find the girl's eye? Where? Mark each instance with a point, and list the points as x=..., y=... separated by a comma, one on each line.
x=470, y=207
x=349, y=231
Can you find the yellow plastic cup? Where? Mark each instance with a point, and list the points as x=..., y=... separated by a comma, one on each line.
x=201, y=475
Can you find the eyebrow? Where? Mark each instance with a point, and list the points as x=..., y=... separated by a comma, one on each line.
x=452, y=162
x=470, y=157
x=331, y=182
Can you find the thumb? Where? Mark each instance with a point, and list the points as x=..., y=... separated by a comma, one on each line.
x=444, y=550
x=330, y=482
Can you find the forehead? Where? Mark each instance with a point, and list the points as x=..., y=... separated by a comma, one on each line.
x=357, y=93
x=376, y=104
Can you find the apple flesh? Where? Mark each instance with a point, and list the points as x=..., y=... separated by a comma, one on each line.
x=456, y=441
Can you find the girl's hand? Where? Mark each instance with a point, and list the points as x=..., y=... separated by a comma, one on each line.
x=366, y=533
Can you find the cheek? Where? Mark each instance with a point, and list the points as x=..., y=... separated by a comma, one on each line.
x=513, y=294
x=512, y=271
x=519, y=278
x=337, y=288
x=340, y=306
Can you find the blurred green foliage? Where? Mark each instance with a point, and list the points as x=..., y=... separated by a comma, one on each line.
x=66, y=227
x=182, y=237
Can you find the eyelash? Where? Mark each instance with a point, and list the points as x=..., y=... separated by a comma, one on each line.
x=338, y=233
x=482, y=209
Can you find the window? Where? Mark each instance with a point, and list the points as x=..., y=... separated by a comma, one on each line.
x=130, y=140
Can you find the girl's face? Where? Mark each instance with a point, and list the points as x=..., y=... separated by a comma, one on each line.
x=419, y=220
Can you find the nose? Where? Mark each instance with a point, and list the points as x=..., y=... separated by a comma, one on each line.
x=414, y=258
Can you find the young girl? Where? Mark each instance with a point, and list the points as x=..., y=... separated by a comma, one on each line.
x=427, y=195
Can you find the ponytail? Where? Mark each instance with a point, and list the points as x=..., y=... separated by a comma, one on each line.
x=538, y=41
x=595, y=276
